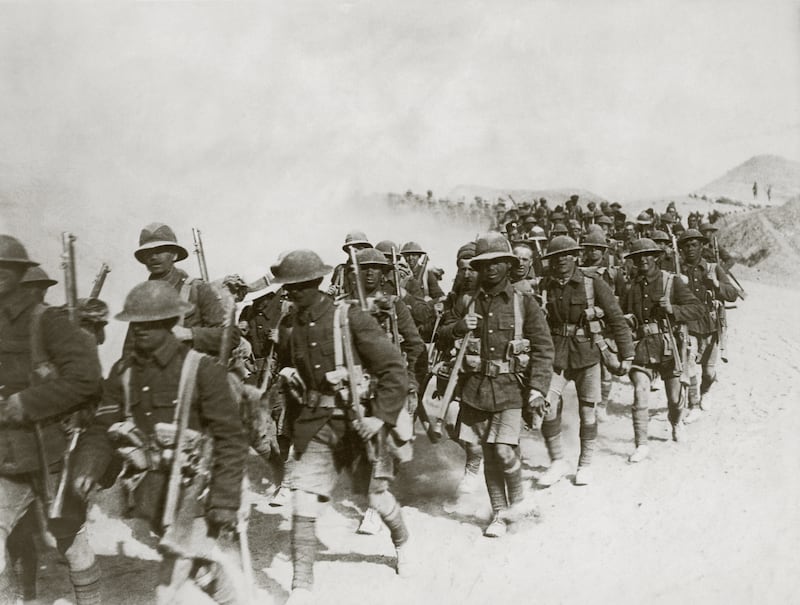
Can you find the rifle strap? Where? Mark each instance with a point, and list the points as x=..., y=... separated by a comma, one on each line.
x=187, y=385
x=338, y=350
x=126, y=393
x=517, y=315
x=588, y=286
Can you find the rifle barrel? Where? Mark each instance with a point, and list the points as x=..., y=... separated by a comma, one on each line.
x=362, y=297
x=99, y=281
x=201, y=255
x=70, y=281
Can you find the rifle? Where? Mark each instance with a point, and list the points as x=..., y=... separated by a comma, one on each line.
x=513, y=201
x=423, y=274
x=434, y=430
x=362, y=297
x=226, y=340
x=201, y=255
x=99, y=281
x=352, y=399
x=739, y=290
x=395, y=271
x=55, y=507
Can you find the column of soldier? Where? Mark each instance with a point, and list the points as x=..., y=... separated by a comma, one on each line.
x=320, y=378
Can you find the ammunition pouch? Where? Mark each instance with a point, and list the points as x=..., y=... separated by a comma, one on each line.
x=567, y=330
x=648, y=328
x=472, y=356
x=594, y=313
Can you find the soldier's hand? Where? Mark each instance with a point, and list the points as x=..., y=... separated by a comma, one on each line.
x=534, y=410
x=665, y=304
x=273, y=335
x=470, y=321
x=182, y=333
x=625, y=366
x=82, y=485
x=367, y=427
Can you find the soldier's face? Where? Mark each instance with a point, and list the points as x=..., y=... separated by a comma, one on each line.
x=304, y=295
x=493, y=272
x=10, y=276
x=413, y=259
x=371, y=277
x=563, y=264
x=149, y=335
x=159, y=261
x=646, y=264
x=525, y=257
x=592, y=255
x=691, y=249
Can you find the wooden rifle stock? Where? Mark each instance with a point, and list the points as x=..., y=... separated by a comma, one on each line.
x=450, y=389
x=354, y=404
x=362, y=297
x=99, y=281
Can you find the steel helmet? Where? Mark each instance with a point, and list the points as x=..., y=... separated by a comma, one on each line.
x=561, y=244
x=706, y=226
x=153, y=300
x=299, y=266
x=386, y=246
x=537, y=234
x=558, y=229
x=12, y=251
x=644, y=245
x=660, y=236
x=690, y=234
x=35, y=276
x=466, y=252
x=493, y=246
x=371, y=256
x=594, y=239
x=644, y=219
x=356, y=239
x=158, y=235
x=412, y=248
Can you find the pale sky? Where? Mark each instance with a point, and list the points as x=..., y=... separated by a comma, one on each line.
x=314, y=99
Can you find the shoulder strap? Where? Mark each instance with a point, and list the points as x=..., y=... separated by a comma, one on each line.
x=667, y=277
x=188, y=380
x=588, y=286
x=338, y=350
x=126, y=392
x=518, y=315
x=38, y=354
x=185, y=294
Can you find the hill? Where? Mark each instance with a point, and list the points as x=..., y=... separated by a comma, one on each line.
x=779, y=173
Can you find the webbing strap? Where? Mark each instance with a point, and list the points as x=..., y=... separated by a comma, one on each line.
x=188, y=381
x=667, y=276
x=517, y=315
x=38, y=355
x=185, y=294
x=126, y=393
x=338, y=351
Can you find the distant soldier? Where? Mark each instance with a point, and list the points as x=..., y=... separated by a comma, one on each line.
x=202, y=326
x=523, y=276
x=48, y=369
x=710, y=284
x=712, y=251
x=664, y=241
x=769, y=193
x=755, y=190
x=507, y=368
x=573, y=210
x=579, y=307
x=655, y=302
x=426, y=276
x=575, y=229
x=341, y=284
x=37, y=282
x=644, y=224
x=328, y=429
x=138, y=416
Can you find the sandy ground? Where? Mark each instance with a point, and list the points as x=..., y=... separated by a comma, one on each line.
x=716, y=520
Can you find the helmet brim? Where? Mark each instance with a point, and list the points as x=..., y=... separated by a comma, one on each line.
x=184, y=309
x=487, y=256
x=180, y=250
x=321, y=272
x=559, y=252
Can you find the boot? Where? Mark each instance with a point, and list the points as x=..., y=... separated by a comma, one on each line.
x=370, y=523
x=497, y=528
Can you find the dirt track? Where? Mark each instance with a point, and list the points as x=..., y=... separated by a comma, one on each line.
x=712, y=521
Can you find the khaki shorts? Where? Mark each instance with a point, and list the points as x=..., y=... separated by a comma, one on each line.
x=478, y=426
x=18, y=492
x=329, y=452
x=587, y=384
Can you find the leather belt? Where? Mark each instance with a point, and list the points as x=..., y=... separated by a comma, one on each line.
x=648, y=328
x=493, y=368
x=567, y=330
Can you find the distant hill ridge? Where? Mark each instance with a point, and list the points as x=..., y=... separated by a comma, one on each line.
x=782, y=174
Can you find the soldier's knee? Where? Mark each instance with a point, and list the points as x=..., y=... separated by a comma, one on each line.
x=77, y=550
x=305, y=504
x=383, y=502
x=505, y=453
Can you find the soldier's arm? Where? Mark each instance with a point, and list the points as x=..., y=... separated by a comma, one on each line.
x=434, y=289
x=74, y=355
x=412, y=344
x=95, y=451
x=383, y=362
x=613, y=318
x=535, y=329
x=451, y=328
x=727, y=291
x=207, y=336
x=685, y=306
x=219, y=413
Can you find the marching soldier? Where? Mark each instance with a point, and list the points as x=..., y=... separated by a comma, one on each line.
x=329, y=426
x=579, y=307
x=523, y=276
x=427, y=277
x=710, y=284
x=712, y=251
x=48, y=369
x=155, y=384
x=507, y=368
x=38, y=282
x=655, y=302
x=341, y=284
x=202, y=326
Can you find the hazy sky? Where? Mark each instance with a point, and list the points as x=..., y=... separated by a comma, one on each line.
x=307, y=101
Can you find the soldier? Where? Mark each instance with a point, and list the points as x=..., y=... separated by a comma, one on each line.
x=575, y=230
x=341, y=284
x=664, y=241
x=395, y=318
x=159, y=374
x=712, y=251
x=48, y=369
x=523, y=277
x=427, y=277
x=93, y=318
x=262, y=318
x=644, y=224
x=37, y=282
x=202, y=326
x=576, y=304
x=710, y=284
x=327, y=429
x=573, y=209
x=655, y=302
x=605, y=223
x=507, y=370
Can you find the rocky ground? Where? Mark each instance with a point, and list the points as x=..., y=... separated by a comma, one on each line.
x=711, y=521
